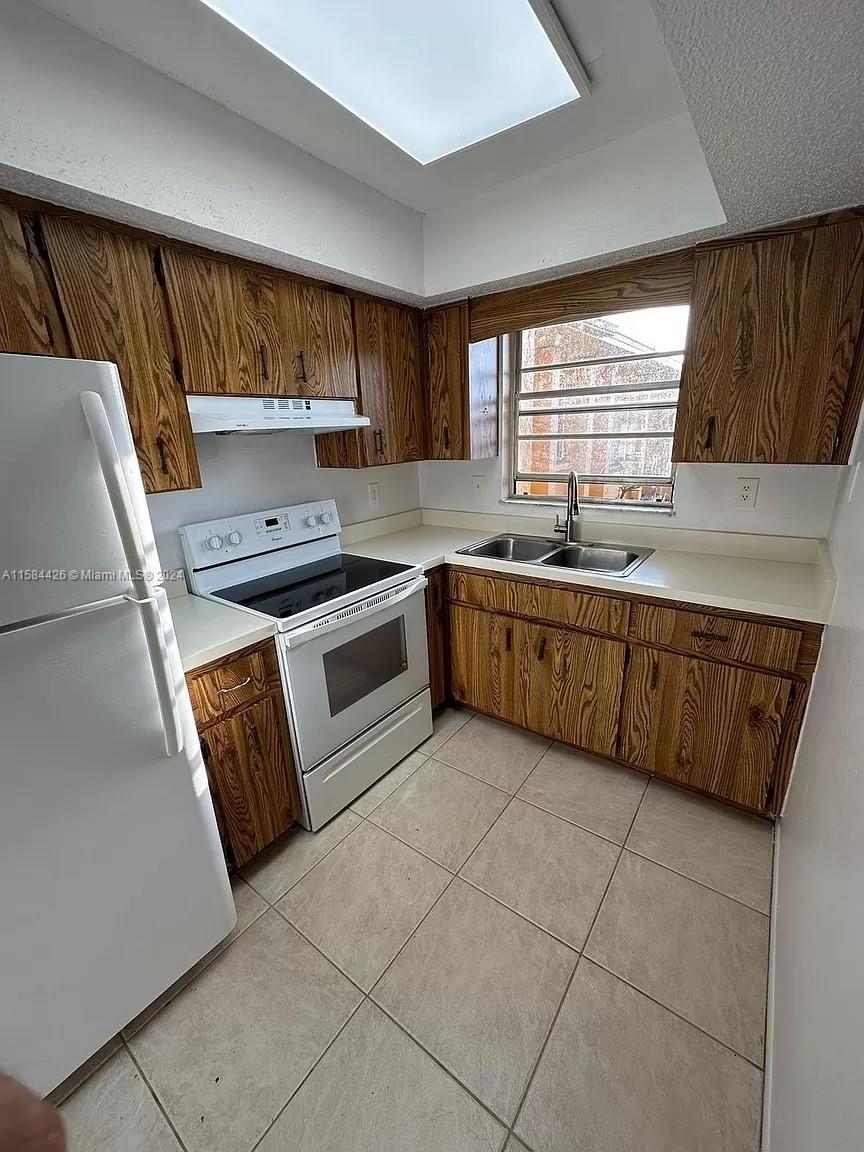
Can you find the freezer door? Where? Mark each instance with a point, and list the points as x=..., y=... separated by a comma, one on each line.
x=112, y=882
x=59, y=542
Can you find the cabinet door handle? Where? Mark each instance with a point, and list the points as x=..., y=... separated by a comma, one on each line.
x=709, y=433
x=160, y=448
x=205, y=751
x=541, y=651
x=697, y=635
x=234, y=687
x=302, y=360
x=255, y=738
x=379, y=441
x=446, y=438
x=265, y=367
x=655, y=672
x=508, y=639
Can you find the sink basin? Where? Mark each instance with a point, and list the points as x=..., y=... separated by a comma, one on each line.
x=526, y=549
x=603, y=558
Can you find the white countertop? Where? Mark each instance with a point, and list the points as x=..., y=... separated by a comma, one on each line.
x=795, y=591
x=206, y=631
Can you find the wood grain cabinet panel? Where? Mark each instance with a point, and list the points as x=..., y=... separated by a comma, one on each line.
x=540, y=602
x=249, y=762
x=318, y=340
x=568, y=685
x=23, y=326
x=388, y=359
x=704, y=634
x=771, y=349
x=436, y=635
x=708, y=725
x=482, y=662
x=216, y=310
x=114, y=309
x=461, y=388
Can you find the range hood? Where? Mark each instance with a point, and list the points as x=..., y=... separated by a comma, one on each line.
x=225, y=414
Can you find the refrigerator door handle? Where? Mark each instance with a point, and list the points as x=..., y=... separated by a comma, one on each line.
x=127, y=526
x=71, y=613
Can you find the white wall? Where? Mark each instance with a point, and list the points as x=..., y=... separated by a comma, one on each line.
x=79, y=113
x=251, y=473
x=647, y=187
x=792, y=501
x=817, y=1051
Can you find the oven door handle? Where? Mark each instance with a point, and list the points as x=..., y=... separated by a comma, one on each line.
x=351, y=615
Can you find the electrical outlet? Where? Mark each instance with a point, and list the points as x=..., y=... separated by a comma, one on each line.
x=374, y=491
x=746, y=491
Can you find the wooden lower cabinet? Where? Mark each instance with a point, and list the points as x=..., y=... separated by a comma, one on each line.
x=560, y=683
x=436, y=635
x=247, y=750
x=709, y=725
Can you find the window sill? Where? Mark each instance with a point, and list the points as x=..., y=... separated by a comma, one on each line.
x=640, y=509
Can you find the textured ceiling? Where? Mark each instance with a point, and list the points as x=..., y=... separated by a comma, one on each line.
x=775, y=90
x=633, y=86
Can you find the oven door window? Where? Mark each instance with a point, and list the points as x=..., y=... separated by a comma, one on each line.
x=360, y=666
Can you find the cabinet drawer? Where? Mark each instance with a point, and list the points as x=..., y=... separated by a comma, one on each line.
x=222, y=687
x=539, y=601
x=744, y=641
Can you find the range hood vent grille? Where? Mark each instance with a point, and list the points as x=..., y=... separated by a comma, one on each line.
x=227, y=414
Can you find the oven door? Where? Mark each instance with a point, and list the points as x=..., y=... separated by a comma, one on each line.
x=346, y=672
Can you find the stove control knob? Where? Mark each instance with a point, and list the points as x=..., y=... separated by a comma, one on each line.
x=234, y=538
x=310, y=521
x=324, y=518
x=214, y=543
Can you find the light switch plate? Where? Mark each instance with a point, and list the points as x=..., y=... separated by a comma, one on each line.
x=374, y=491
x=746, y=491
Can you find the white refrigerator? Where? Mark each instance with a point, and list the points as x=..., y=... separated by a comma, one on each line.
x=112, y=881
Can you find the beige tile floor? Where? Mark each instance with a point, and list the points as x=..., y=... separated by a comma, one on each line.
x=504, y=943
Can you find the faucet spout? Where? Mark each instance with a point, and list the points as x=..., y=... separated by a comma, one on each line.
x=568, y=528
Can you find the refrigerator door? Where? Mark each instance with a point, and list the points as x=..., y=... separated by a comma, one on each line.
x=112, y=881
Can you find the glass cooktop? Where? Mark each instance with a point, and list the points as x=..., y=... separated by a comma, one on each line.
x=287, y=593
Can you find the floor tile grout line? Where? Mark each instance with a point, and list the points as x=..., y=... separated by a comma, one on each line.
x=579, y=957
x=155, y=1096
x=701, y=883
x=413, y=847
x=366, y=815
x=272, y=903
x=548, y=931
x=408, y=940
x=673, y=1012
x=573, y=823
x=321, y=952
x=314, y=1065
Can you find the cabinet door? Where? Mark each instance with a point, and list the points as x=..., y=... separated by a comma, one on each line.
x=218, y=312
x=482, y=661
x=115, y=310
x=773, y=330
x=436, y=631
x=250, y=765
x=316, y=327
x=568, y=685
x=712, y=726
x=22, y=322
x=461, y=388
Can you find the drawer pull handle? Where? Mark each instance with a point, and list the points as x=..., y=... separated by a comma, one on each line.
x=709, y=434
x=655, y=671
x=234, y=687
x=508, y=639
x=262, y=355
x=541, y=651
x=712, y=636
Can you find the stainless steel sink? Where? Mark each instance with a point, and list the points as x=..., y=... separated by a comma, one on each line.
x=604, y=559
x=526, y=549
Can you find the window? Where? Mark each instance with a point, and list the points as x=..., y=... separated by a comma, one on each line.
x=600, y=396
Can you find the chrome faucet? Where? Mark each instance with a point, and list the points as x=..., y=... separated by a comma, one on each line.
x=568, y=528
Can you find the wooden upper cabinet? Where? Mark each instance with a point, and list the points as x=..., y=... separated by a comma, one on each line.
x=211, y=303
x=461, y=387
x=247, y=331
x=710, y=725
x=114, y=310
x=388, y=360
x=770, y=373
x=23, y=327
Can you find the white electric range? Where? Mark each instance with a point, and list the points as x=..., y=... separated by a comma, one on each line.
x=351, y=637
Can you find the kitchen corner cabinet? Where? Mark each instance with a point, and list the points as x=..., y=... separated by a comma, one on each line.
x=114, y=309
x=247, y=331
x=461, y=387
x=388, y=360
x=436, y=634
x=23, y=325
x=240, y=713
x=773, y=370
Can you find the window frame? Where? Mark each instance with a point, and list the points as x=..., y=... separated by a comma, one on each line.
x=517, y=371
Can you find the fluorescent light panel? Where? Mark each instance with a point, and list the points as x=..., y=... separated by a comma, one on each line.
x=431, y=77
